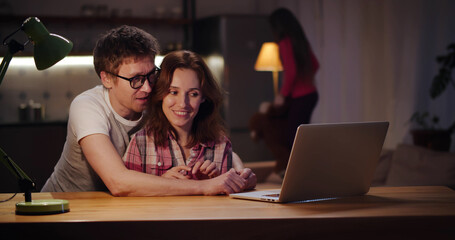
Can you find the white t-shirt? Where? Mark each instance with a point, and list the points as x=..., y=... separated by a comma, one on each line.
x=90, y=113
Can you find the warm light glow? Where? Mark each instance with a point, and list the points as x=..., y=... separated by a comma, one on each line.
x=216, y=65
x=75, y=61
x=68, y=61
x=158, y=60
x=269, y=58
x=215, y=61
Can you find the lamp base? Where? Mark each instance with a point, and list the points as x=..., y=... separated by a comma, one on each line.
x=42, y=207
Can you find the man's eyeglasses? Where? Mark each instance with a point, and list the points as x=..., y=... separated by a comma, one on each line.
x=138, y=80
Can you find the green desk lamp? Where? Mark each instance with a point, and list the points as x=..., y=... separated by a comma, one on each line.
x=49, y=48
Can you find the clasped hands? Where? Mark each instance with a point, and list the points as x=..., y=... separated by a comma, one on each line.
x=231, y=181
x=201, y=170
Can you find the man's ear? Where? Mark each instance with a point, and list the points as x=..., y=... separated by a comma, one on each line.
x=106, y=80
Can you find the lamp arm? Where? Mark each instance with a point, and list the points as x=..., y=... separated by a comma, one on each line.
x=26, y=184
x=4, y=66
x=11, y=34
x=13, y=47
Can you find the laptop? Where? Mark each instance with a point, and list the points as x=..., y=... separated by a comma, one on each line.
x=328, y=161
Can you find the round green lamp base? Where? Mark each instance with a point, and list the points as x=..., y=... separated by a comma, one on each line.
x=42, y=207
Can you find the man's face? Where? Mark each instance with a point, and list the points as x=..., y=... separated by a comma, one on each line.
x=126, y=101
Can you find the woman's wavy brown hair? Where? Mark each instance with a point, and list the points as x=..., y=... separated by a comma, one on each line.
x=208, y=124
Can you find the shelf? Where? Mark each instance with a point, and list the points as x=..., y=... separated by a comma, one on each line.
x=83, y=31
x=33, y=123
x=115, y=20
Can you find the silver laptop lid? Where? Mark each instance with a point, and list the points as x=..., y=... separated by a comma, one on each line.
x=333, y=160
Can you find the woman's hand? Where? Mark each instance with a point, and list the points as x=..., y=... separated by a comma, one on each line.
x=179, y=172
x=204, y=170
x=279, y=100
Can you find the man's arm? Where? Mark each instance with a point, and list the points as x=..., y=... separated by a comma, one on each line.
x=120, y=181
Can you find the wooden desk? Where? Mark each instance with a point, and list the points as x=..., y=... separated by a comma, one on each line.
x=384, y=213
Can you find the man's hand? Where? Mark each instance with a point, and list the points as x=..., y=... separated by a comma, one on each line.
x=229, y=182
x=250, y=178
x=245, y=173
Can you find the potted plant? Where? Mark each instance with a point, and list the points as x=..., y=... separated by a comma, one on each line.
x=430, y=134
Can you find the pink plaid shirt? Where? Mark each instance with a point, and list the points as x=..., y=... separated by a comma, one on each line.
x=143, y=155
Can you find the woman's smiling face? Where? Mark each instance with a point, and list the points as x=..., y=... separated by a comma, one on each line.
x=181, y=104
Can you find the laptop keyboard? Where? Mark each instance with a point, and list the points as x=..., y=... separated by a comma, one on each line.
x=272, y=195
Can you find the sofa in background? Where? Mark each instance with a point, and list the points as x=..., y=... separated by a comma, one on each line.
x=410, y=165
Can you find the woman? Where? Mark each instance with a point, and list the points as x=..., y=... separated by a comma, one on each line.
x=298, y=91
x=184, y=136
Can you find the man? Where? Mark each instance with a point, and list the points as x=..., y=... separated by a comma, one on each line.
x=99, y=121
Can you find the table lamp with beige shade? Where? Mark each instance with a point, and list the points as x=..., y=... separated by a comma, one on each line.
x=269, y=60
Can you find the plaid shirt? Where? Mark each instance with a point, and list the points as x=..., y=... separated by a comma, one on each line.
x=143, y=155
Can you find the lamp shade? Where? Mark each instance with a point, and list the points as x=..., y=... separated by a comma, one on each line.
x=269, y=58
x=49, y=48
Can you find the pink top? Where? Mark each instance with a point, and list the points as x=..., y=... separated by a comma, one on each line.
x=293, y=84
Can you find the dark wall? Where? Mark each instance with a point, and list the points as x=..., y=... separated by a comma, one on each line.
x=35, y=147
